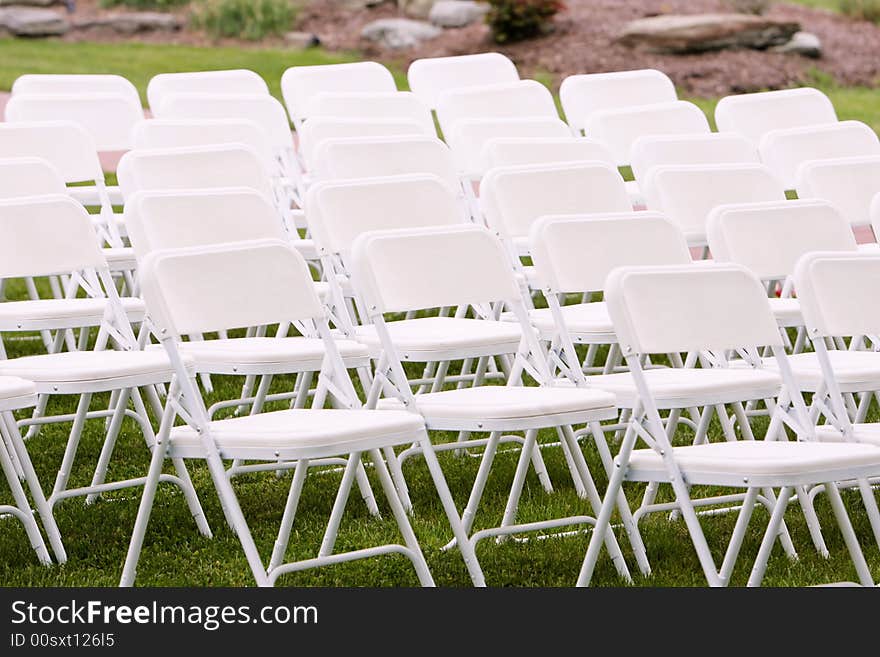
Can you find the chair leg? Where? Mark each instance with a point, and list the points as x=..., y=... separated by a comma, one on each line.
x=870, y=503
x=464, y=545
x=72, y=444
x=519, y=479
x=572, y=467
x=760, y=566
x=397, y=475
x=348, y=474
x=849, y=536
x=603, y=521
x=366, y=491
x=293, y=496
x=109, y=441
x=739, y=532
x=21, y=501
x=805, y=501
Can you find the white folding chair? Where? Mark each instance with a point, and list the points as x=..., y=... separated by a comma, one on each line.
x=178, y=133
x=618, y=129
x=17, y=394
x=515, y=151
x=301, y=84
x=123, y=371
x=848, y=183
x=754, y=115
x=233, y=81
x=74, y=83
x=431, y=77
x=514, y=100
x=274, y=286
x=711, y=148
x=482, y=277
x=687, y=193
x=785, y=149
x=108, y=117
x=469, y=138
x=373, y=105
x=583, y=94
x=719, y=310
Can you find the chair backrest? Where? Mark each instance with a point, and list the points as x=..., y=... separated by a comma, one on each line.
x=77, y=83
x=29, y=176
x=849, y=184
x=67, y=146
x=754, y=115
x=617, y=129
x=262, y=109
x=339, y=211
x=469, y=137
x=43, y=235
x=838, y=293
x=164, y=219
x=401, y=270
x=576, y=253
x=680, y=308
x=375, y=105
x=190, y=290
x=784, y=150
x=300, y=84
x=233, y=81
x=513, y=198
x=581, y=95
x=711, y=148
x=314, y=131
x=198, y=167
x=108, y=117
x=512, y=151
x=366, y=157
x=769, y=238
x=432, y=77
x=179, y=133
x=520, y=99
x=688, y=193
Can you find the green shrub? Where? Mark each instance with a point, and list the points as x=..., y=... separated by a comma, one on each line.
x=868, y=10
x=145, y=4
x=247, y=19
x=515, y=20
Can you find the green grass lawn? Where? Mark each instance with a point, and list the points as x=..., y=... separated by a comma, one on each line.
x=97, y=536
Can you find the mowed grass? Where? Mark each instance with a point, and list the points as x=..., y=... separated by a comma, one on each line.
x=175, y=554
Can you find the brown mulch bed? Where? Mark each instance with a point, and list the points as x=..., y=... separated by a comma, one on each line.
x=584, y=42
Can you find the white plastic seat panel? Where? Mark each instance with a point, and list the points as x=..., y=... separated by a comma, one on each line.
x=40, y=313
x=108, y=368
x=301, y=433
x=855, y=371
x=758, y=460
x=450, y=409
x=88, y=194
x=120, y=258
x=787, y=311
x=581, y=319
x=440, y=338
x=255, y=355
x=867, y=432
x=677, y=387
x=16, y=393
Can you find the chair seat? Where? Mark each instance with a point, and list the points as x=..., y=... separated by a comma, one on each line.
x=306, y=248
x=585, y=322
x=855, y=371
x=120, y=258
x=677, y=387
x=787, y=311
x=302, y=433
x=867, y=432
x=484, y=407
x=36, y=314
x=779, y=462
x=75, y=371
x=16, y=393
x=444, y=338
x=268, y=355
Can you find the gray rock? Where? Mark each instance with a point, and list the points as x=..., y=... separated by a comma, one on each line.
x=32, y=22
x=399, y=32
x=134, y=22
x=704, y=32
x=301, y=40
x=457, y=13
x=802, y=43
x=416, y=8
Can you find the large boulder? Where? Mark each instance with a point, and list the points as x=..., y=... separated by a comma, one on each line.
x=802, y=43
x=702, y=32
x=132, y=22
x=457, y=13
x=416, y=8
x=399, y=32
x=32, y=22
